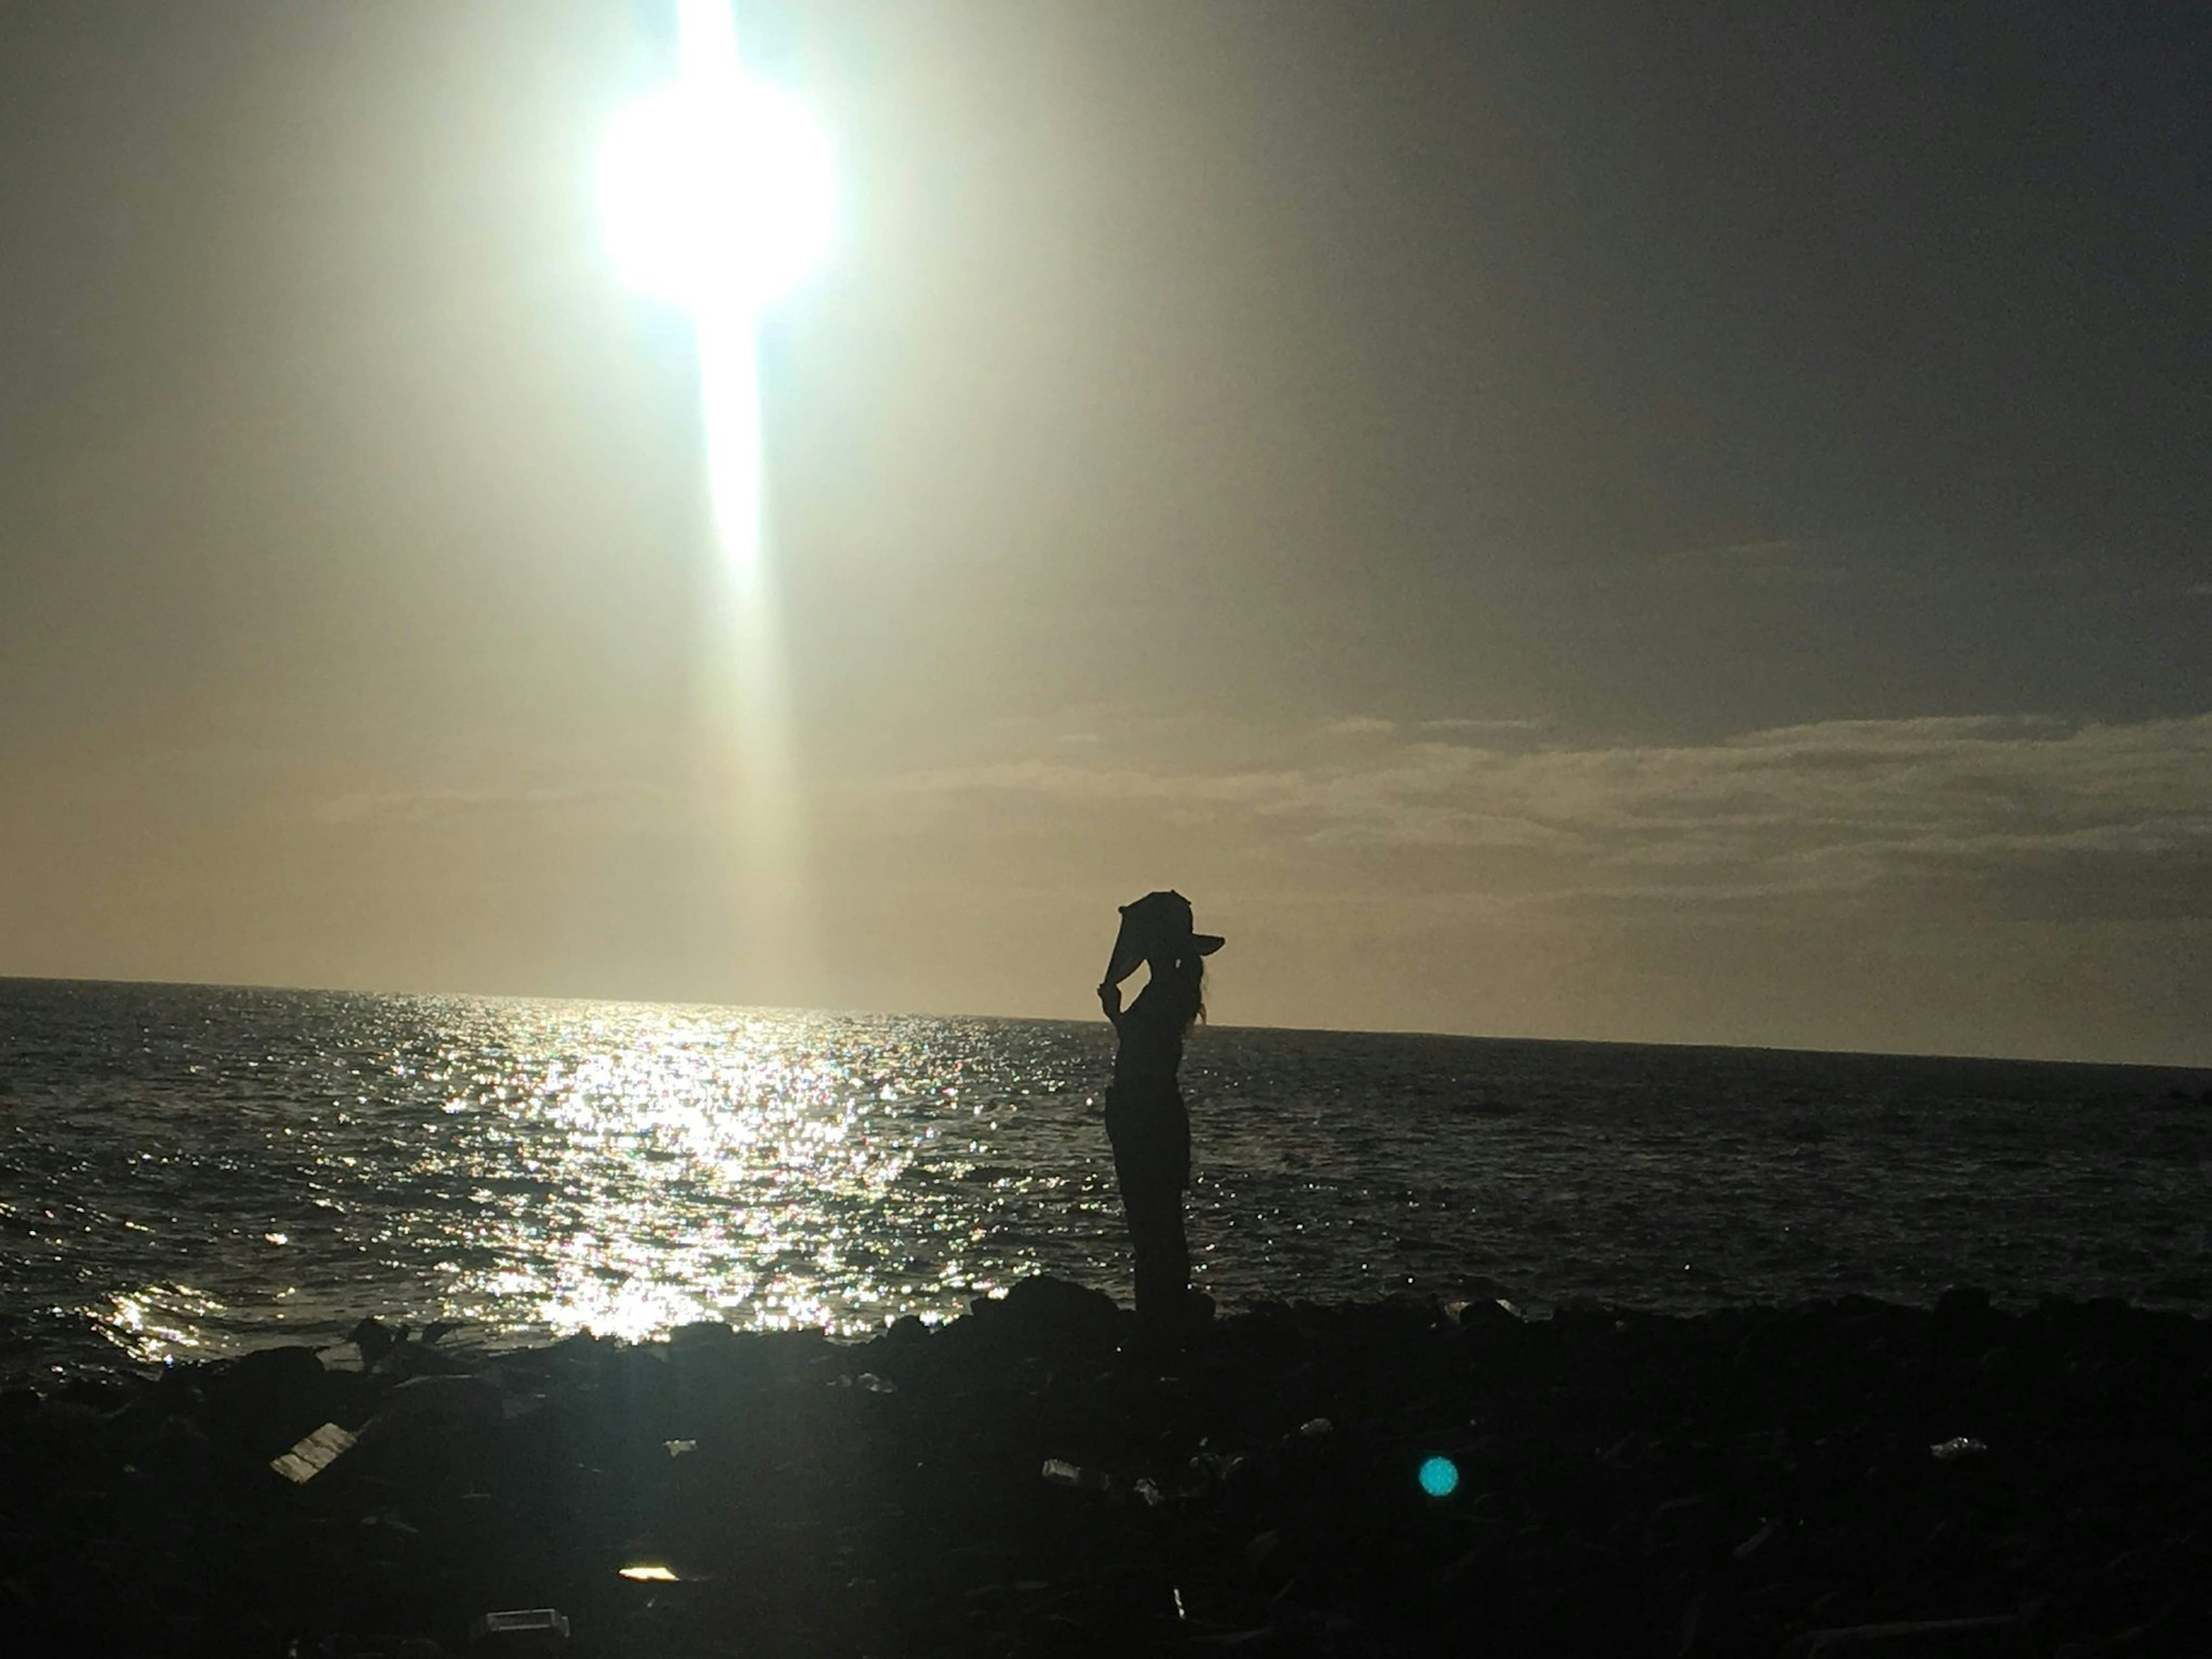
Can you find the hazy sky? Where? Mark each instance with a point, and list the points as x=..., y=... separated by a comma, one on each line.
x=1686, y=523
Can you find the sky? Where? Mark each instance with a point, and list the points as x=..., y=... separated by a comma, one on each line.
x=1593, y=521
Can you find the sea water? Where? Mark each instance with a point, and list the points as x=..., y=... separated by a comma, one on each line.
x=187, y=1171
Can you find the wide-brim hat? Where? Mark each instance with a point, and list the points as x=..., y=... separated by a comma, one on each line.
x=1159, y=923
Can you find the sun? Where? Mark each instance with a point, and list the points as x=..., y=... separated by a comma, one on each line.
x=717, y=189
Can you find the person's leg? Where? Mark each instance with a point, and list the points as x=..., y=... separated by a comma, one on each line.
x=1140, y=1204
x=1172, y=1246
x=1145, y=1160
x=1153, y=1211
x=1172, y=1253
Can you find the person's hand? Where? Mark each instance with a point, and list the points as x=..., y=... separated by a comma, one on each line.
x=1109, y=998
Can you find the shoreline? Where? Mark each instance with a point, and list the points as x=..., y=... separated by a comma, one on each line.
x=480, y=1345
x=1757, y=1480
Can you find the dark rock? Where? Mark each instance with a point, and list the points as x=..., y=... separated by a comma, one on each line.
x=1962, y=1304
x=374, y=1340
x=1044, y=1314
x=267, y=1400
x=99, y=1394
x=1768, y=1468
x=905, y=1332
x=704, y=1333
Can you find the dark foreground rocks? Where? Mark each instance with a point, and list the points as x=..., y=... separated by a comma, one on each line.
x=1758, y=1481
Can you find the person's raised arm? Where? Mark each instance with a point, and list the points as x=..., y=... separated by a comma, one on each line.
x=1109, y=1000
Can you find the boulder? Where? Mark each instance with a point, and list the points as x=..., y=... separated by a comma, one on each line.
x=1043, y=1315
x=266, y=1399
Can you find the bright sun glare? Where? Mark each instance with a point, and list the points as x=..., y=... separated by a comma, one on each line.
x=715, y=189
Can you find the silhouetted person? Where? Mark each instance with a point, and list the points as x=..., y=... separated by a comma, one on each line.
x=1145, y=1116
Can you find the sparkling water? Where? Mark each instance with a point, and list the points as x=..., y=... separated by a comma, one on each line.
x=188, y=1171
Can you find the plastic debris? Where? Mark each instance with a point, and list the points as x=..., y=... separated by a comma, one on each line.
x=314, y=1454
x=1180, y=1611
x=1149, y=1490
x=521, y=1626
x=1852, y=1636
x=1958, y=1446
x=1215, y=1465
x=648, y=1574
x=1315, y=1427
x=678, y=1448
x=875, y=1384
x=1744, y=1551
x=1062, y=1473
x=1693, y=1614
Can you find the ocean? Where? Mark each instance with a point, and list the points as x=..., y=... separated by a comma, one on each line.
x=192, y=1171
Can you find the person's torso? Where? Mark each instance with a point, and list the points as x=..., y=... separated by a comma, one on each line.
x=1151, y=1034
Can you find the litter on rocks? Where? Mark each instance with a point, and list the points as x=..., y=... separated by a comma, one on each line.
x=314, y=1454
x=1750, y=1546
x=1062, y=1473
x=1767, y=1494
x=1958, y=1446
x=521, y=1628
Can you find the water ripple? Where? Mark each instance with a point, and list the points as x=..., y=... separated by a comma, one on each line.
x=187, y=1170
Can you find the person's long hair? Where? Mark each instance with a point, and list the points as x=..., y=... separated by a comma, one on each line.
x=1191, y=967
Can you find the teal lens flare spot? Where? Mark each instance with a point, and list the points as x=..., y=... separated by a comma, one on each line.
x=1439, y=1477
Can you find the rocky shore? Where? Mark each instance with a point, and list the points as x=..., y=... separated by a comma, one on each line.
x=1849, y=1478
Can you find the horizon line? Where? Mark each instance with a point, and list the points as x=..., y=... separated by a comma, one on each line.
x=1063, y=1019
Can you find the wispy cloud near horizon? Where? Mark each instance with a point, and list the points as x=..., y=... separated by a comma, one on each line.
x=1998, y=807
x=430, y=805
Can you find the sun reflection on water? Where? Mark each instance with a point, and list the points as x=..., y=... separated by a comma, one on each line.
x=678, y=1166
x=532, y=1170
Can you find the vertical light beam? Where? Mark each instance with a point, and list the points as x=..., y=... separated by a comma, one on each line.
x=716, y=196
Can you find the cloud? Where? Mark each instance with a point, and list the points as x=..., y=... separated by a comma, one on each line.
x=1358, y=725
x=1457, y=725
x=426, y=805
x=2031, y=815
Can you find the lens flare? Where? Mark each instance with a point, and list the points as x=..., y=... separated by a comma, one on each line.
x=1439, y=1477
